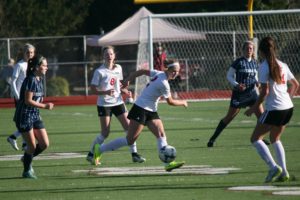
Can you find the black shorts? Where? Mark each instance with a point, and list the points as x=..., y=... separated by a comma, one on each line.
x=243, y=100
x=108, y=111
x=276, y=117
x=141, y=115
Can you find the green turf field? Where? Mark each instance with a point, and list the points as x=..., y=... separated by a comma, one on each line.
x=71, y=129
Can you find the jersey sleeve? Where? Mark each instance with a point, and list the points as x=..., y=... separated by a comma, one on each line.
x=263, y=74
x=96, y=78
x=289, y=74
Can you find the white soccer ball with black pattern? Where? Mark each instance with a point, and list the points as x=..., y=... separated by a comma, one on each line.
x=167, y=154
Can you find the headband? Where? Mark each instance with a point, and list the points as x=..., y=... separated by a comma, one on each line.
x=173, y=64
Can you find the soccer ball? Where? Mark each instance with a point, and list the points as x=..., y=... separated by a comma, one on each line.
x=167, y=154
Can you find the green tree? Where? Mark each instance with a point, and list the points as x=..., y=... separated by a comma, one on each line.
x=24, y=18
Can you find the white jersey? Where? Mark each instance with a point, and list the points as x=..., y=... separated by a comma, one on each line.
x=18, y=77
x=105, y=79
x=278, y=97
x=156, y=88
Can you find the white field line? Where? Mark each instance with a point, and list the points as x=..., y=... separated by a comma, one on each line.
x=186, y=169
x=48, y=156
x=276, y=190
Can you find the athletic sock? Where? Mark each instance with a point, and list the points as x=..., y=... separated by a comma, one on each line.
x=114, y=144
x=161, y=142
x=16, y=134
x=98, y=140
x=218, y=130
x=38, y=150
x=280, y=155
x=133, y=148
x=27, y=161
x=264, y=152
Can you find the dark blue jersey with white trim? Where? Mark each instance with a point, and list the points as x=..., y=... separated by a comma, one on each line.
x=245, y=72
x=32, y=84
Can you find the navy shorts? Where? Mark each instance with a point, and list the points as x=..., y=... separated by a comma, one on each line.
x=276, y=117
x=27, y=123
x=141, y=115
x=243, y=100
x=108, y=111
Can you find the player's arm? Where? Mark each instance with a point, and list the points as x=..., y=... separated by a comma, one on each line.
x=264, y=91
x=176, y=102
x=134, y=75
x=97, y=91
x=29, y=101
x=14, y=88
x=294, y=85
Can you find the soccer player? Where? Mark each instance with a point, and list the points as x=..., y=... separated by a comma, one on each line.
x=274, y=75
x=27, y=115
x=144, y=111
x=242, y=75
x=18, y=77
x=106, y=84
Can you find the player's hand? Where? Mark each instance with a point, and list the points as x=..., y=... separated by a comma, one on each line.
x=110, y=92
x=124, y=84
x=185, y=104
x=49, y=106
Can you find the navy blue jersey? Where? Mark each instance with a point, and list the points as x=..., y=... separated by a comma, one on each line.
x=27, y=114
x=245, y=72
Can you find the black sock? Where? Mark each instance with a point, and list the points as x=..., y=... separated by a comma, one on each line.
x=27, y=161
x=218, y=131
x=13, y=137
x=38, y=150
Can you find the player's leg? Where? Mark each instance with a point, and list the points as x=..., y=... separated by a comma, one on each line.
x=12, y=139
x=134, y=130
x=264, y=152
x=124, y=121
x=280, y=152
x=43, y=141
x=28, y=154
x=232, y=112
x=105, y=119
x=157, y=128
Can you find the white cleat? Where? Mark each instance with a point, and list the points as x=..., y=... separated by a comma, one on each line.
x=13, y=143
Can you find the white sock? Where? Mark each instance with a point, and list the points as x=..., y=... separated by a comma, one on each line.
x=98, y=140
x=280, y=154
x=264, y=152
x=17, y=134
x=133, y=148
x=114, y=144
x=161, y=142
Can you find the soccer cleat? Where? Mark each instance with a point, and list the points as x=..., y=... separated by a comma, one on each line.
x=273, y=173
x=137, y=158
x=97, y=155
x=90, y=158
x=210, y=143
x=283, y=178
x=29, y=174
x=13, y=143
x=173, y=165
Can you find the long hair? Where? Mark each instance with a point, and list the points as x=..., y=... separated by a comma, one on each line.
x=33, y=64
x=268, y=48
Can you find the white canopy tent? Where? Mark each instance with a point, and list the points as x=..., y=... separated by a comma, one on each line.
x=128, y=32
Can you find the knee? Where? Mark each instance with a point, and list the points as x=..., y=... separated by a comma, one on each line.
x=44, y=146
